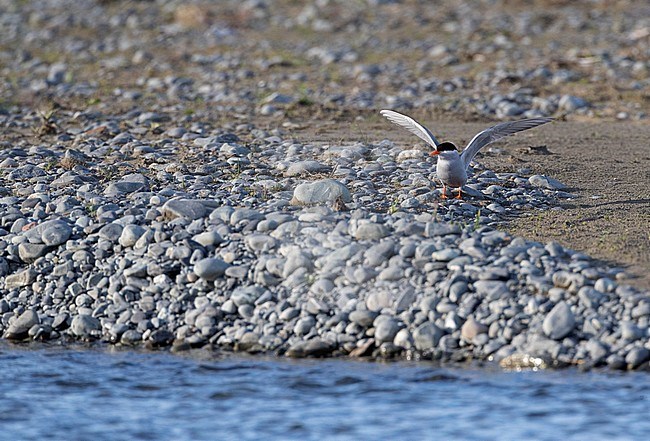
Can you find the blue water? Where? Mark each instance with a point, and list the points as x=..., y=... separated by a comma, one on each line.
x=57, y=394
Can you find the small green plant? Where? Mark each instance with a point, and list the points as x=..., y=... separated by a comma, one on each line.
x=90, y=209
x=477, y=220
x=394, y=207
x=50, y=165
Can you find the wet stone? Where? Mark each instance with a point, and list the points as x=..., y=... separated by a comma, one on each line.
x=20, y=327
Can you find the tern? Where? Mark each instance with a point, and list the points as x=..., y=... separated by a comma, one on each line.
x=452, y=166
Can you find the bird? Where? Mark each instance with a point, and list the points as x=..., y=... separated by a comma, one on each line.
x=452, y=165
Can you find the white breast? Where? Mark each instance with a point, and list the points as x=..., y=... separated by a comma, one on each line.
x=451, y=170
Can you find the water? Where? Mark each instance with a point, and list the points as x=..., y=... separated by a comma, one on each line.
x=59, y=394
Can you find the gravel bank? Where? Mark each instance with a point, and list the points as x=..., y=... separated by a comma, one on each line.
x=162, y=195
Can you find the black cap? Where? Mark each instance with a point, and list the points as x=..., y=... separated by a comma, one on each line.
x=446, y=147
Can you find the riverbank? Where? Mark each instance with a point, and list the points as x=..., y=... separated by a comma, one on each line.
x=224, y=187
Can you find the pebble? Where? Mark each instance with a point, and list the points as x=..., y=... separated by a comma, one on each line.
x=370, y=231
x=20, y=279
x=306, y=167
x=19, y=328
x=85, y=326
x=570, y=103
x=471, y=328
x=546, y=182
x=130, y=235
x=55, y=233
x=386, y=329
x=636, y=357
x=325, y=191
x=188, y=209
x=210, y=268
x=363, y=318
x=427, y=336
x=560, y=322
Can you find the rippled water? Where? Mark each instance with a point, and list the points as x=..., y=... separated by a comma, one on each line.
x=94, y=395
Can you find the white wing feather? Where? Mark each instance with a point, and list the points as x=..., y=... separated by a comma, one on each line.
x=412, y=126
x=499, y=131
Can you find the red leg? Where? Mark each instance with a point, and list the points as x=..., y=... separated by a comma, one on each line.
x=460, y=194
x=444, y=192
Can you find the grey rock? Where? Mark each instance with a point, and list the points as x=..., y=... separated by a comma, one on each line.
x=393, y=272
x=131, y=337
x=130, y=235
x=246, y=295
x=316, y=306
x=208, y=238
x=630, y=331
x=304, y=325
x=128, y=184
x=427, y=336
x=597, y=351
x=615, y=361
x=370, y=231
x=229, y=307
x=19, y=328
x=405, y=301
x=641, y=310
x=386, y=330
x=54, y=233
x=605, y=285
x=445, y=255
x=20, y=279
x=320, y=192
x=189, y=209
x=4, y=267
x=295, y=260
x=471, y=328
x=260, y=242
x=85, y=326
x=379, y=253
x=306, y=167
x=560, y=322
x=57, y=73
x=210, y=268
x=29, y=252
x=160, y=338
x=636, y=357
x=433, y=229
x=111, y=232
x=546, y=182
x=378, y=300
x=363, y=317
x=403, y=339
x=571, y=103
x=244, y=214
x=492, y=289
x=289, y=314
x=311, y=348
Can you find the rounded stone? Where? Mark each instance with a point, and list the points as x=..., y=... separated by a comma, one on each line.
x=210, y=268
x=559, y=322
x=320, y=192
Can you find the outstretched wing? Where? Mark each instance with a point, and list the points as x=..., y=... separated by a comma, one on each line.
x=494, y=133
x=412, y=126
